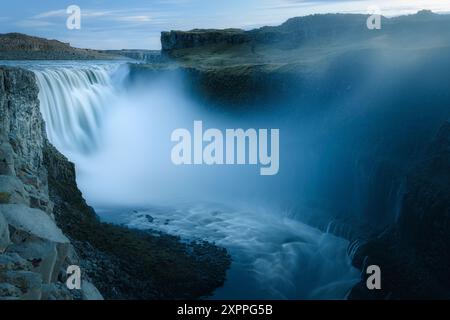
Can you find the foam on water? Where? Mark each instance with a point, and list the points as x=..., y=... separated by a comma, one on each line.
x=274, y=257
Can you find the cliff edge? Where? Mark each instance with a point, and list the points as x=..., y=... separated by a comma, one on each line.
x=414, y=253
x=17, y=46
x=281, y=64
x=33, y=249
x=46, y=225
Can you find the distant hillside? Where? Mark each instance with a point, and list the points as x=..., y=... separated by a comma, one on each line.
x=320, y=56
x=302, y=39
x=16, y=46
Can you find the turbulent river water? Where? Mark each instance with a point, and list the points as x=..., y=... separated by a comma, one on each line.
x=118, y=139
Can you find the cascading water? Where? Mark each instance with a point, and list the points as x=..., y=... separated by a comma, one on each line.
x=72, y=104
x=274, y=256
x=74, y=97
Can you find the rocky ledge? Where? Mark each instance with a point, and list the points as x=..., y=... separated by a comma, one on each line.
x=175, y=40
x=46, y=225
x=17, y=46
x=300, y=32
x=313, y=60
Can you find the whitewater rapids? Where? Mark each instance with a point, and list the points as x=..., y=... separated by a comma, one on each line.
x=274, y=257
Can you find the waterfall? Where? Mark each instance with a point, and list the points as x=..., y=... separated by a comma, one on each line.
x=73, y=100
x=274, y=256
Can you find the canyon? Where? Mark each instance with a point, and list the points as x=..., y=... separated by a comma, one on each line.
x=46, y=225
x=365, y=157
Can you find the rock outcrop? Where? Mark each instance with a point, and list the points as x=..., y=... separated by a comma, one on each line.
x=33, y=249
x=320, y=57
x=325, y=29
x=174, y=40
x=414, y=254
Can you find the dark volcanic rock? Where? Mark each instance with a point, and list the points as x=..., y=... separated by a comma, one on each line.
x=174, y=40
x=414, y=254
x=33, y=249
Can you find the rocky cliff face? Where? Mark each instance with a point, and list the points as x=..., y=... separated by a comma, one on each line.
x=323, y=57
x=414, y=254
x=33, y=250
x=325, y=29
x=174, y=40
x=148, y=56
x=46, y=225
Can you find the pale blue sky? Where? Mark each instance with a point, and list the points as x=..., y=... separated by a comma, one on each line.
x=116, y=24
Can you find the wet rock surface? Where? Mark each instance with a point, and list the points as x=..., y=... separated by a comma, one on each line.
x=414, y=253
x=32, y=247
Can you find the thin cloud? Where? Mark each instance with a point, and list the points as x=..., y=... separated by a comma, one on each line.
x=133, y=15
x=134, y=18
x=85, y=13
x=51, y=14
x=33, y=23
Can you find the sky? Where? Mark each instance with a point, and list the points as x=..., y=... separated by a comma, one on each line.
x=137, y=24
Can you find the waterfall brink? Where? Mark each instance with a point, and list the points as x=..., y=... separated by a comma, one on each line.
x=73, y=102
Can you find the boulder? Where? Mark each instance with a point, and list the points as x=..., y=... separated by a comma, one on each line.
x=37, y=239
x=12, y=261
x=43, y=255
x=33, y=221
x=29, y=283
x=9, y=292
x=12, y=191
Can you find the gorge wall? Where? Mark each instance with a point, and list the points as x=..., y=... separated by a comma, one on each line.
x=323, y=57
x=46, y=225
x=413, y=253
x=34, y=250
